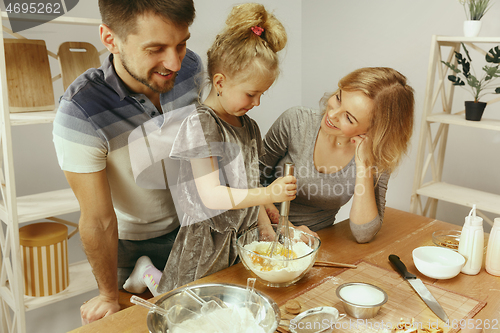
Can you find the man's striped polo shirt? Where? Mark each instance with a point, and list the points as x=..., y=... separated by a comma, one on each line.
x=95, y=117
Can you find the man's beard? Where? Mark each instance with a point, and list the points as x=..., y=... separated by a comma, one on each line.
x=145, y=81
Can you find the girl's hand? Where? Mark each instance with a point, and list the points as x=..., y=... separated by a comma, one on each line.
x=363, y=155
x=273, y=213
x=283, y=189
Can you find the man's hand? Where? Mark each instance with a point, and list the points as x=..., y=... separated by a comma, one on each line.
x=97, y=308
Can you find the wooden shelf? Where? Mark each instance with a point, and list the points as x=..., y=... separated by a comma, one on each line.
x=459, y=119
x=61, y=19
x=432, y=144
x=42, y=205
x=461, y=39
x=81, y=280
x=31, y=118
x=29, y=208
x=462, y=196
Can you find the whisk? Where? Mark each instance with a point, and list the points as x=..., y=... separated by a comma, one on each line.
x=283, y=229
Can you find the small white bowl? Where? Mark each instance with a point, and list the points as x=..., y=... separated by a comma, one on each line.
x=438, y=262
x=361, y=300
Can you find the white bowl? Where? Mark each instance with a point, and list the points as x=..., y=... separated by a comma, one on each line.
x=361, y=300
x=438, y=262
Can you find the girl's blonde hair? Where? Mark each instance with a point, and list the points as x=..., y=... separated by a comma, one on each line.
x=392, y=117
x=236, y=48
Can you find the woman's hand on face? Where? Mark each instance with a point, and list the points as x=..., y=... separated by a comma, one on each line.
x=283, y=189
x=363, y=154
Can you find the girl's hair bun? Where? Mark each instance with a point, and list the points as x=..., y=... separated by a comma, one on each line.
x=243, y=17
x=248, y=44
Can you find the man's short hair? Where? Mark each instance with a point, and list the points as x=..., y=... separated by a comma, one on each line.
x=121, y=15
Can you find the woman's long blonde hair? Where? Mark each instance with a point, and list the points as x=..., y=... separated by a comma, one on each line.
x=392, y=117
x=238, y=46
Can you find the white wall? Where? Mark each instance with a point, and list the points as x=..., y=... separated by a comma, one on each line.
x=327, y=39
x=340, y=36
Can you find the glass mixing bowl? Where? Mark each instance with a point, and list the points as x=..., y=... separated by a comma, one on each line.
x=277, y=271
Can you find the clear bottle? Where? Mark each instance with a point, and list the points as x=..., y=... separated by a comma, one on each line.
x=471, y=244
x=493, y=253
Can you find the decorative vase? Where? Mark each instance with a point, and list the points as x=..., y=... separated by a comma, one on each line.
x=472, y=28
x=474, y=111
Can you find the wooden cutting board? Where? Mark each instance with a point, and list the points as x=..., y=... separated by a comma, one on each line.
x=29, y=81
x=75, y=58
x=404, y=303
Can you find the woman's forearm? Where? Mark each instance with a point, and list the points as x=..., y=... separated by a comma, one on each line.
x=364, y=206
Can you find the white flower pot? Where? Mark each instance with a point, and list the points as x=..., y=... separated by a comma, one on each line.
x=472, y=28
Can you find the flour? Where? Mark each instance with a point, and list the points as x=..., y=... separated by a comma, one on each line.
x=364, y=295
x=227, y=320
x=277, y=269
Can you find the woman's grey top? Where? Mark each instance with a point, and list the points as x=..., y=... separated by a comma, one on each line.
x=319, y=195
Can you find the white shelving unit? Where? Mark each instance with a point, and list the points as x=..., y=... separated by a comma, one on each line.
x=16, y=210
x=432, y=144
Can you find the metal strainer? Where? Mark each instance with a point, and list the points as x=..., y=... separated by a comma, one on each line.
x=316, y=320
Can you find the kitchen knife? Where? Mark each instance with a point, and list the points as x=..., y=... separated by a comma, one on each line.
x=419, y=287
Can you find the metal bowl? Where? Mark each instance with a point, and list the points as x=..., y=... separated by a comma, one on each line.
x=231, y=294
x=361, y=300
x=290, y=271
x=321, y=319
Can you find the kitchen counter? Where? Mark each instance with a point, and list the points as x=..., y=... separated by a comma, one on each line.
x=400, y=234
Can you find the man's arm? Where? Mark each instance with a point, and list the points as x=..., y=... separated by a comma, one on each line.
x=99, y=235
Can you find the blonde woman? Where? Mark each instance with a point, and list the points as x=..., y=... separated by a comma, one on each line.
x=348, y=149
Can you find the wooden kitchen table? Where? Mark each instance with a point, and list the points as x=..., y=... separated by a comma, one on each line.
x=400, y=234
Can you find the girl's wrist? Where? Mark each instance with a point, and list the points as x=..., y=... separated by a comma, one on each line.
x=268, y=198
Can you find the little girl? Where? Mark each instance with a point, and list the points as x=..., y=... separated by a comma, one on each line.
x=219, y=148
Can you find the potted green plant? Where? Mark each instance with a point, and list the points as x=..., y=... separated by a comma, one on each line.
x=474, y=11
x=478, y=87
